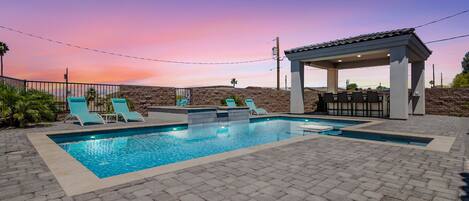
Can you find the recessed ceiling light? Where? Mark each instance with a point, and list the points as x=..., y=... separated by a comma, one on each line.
x=359, y=55
x=388, y=55
x=340, y=60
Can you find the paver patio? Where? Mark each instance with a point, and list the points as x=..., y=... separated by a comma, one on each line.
x=318, y=169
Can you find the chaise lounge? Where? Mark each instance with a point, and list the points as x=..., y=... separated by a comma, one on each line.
x=121, y=109
x=230, y=102
x=253, y=109
x=79, y=110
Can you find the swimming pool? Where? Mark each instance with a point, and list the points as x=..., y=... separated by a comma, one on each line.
x=110, y=153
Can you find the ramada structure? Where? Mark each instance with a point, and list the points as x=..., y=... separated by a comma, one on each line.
x=396, y=48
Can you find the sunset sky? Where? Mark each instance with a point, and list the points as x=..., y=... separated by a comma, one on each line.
x=206, y=31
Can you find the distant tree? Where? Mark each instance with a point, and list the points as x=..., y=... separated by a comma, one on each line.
x=462, y=79
x=381, y=88
x=352, y=86
x=3, y=50
x=90, y=95
x=465, y=63
x=432, y=84
x=234, y=82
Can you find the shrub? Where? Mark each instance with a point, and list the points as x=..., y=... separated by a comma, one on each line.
x=20, y=108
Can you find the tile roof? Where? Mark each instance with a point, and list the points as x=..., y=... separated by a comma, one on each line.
x=355, y=39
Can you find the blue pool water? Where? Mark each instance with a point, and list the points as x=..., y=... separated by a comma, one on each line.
x=109, y=153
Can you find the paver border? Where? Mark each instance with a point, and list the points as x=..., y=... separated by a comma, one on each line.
x=74, y=178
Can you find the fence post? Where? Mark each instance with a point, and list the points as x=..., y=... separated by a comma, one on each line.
x=190, y=96
x=25, y=84
x=66, y=89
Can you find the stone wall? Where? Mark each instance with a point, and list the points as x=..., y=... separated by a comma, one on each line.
x=270, y=99
x=144, y=96
x=267, y=98
x=447, y=101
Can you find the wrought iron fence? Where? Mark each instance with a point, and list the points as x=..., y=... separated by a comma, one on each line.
x=184, y=93
x=17, y=83
x=98, y=95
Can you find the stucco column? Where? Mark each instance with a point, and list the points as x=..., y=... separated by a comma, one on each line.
x=399, y=106
x=297, y=87
x=332, y=80
x=418, y=88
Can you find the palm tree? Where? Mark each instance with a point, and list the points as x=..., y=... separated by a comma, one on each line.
x=3, y=50
x=90, y=95
x=234, y=82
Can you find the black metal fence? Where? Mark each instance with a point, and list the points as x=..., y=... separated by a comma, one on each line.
x=17, y=83
x=98, y=95
x=184, y=93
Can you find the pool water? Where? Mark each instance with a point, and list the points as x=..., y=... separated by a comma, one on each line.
x=110, y=153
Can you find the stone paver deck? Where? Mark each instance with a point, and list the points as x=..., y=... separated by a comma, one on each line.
x=318, y=169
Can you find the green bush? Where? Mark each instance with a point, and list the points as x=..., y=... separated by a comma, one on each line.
x=20, y=108
x=237, y=99
x=461, y=80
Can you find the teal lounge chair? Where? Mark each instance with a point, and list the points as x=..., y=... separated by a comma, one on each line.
x=230, y=102
x=79, y=110
x=252, y=107
x=182, y=102
x=121, y=109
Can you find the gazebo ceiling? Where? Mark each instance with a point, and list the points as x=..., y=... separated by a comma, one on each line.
x=356, y=60
x=360, y=51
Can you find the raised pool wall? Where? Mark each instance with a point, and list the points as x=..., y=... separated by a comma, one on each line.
x=199, y=115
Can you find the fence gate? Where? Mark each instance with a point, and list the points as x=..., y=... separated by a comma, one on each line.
x=184, y=93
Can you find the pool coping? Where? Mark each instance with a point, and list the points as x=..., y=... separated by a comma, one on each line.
x=75, y=178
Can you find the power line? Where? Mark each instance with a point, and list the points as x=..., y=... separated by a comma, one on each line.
x=446, y=39
x=442, y=19
x=129, y=56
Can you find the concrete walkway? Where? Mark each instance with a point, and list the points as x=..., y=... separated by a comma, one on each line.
x=318, y=169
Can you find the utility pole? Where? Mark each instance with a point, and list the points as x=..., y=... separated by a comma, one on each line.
x=286, y=86
x=441, y=80
x=433, y=84
x=278, y=61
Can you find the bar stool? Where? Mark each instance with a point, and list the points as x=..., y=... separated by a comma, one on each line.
x=357, y=97
x=329, y=98
x=341, y=99
x=373, y=97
